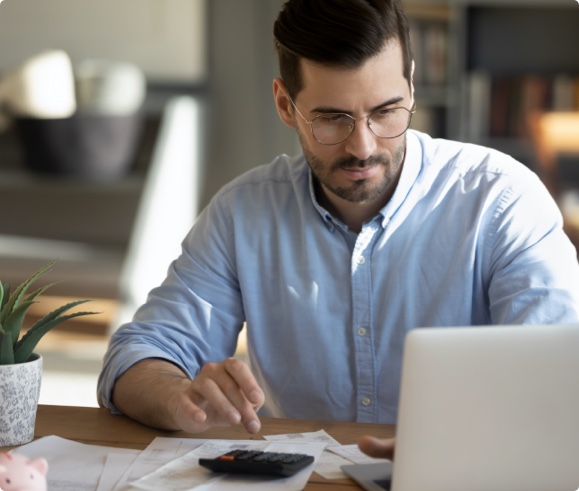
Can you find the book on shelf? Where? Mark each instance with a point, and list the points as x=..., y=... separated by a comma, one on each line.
x=478, y=114
x=429, y=120
x=436, y=47
x=563, y=92
x=429, y=40
x=498, y=107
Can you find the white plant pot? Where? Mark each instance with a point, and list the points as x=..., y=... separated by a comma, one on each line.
x=19, y=393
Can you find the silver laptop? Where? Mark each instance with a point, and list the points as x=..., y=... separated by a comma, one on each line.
x=485, y=408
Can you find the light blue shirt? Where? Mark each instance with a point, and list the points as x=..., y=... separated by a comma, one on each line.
x=470, y=237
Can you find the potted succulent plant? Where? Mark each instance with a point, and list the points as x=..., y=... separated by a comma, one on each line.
x=20, y=366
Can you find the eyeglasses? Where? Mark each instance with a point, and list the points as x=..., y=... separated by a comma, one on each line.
x=334, y=128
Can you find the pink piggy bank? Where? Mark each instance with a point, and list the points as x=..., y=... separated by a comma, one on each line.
x=19, y=473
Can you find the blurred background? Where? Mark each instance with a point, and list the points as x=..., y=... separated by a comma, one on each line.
x=161, y=102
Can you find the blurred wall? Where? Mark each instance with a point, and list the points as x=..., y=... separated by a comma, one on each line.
x=166, y=38
x=245, y=130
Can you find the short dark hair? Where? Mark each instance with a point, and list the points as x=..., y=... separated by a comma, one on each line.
x=340, y=33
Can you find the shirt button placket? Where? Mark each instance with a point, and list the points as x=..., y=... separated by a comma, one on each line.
x=362, y=330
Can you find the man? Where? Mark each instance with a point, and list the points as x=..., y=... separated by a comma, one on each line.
x=332, y=257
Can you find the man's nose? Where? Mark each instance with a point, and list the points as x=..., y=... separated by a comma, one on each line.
x=362, y=143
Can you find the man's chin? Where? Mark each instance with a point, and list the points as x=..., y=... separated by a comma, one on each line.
x=360, y=192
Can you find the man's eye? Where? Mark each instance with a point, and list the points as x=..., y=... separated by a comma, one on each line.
x=384, y=115
x=335, y=119
x=385, y=112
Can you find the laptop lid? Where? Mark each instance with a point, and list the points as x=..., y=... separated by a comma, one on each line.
x=489, y=408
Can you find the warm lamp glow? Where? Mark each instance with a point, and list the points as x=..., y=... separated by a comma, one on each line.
x=560, y=131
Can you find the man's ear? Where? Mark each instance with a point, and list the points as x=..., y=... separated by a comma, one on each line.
x=282, y=103
x=412, y=81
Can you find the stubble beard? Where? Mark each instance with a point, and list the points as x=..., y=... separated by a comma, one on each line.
x=362, y=190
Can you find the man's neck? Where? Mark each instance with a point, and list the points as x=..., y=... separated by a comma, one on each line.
x=354, y=215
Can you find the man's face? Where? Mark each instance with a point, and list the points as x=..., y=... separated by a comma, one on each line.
x=363, y=168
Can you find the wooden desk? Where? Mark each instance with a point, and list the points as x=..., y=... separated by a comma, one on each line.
x=98, y=426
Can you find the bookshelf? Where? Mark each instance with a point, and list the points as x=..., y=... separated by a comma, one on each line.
x=504, y=58
x=431, y=31
x=517, y=58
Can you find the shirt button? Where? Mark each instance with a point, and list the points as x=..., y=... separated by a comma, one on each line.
x=366, y=401
x=361, y=331
x=361, y=260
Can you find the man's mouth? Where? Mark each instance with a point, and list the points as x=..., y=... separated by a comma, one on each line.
x=358, y=173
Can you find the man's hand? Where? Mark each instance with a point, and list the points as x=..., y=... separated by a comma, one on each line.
x=157, y=393
x=381, y=448
x=223, y=393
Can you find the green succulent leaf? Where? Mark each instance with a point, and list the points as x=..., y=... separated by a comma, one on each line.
x=16, y=297
x=24, y=348
x=57, y=312
x=40, y=291
x=5, y=296
x=13, y=324
x=13, y=309
x=15, y=320
x=6, y=349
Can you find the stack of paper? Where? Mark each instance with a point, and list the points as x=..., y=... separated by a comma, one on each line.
x=172, y=463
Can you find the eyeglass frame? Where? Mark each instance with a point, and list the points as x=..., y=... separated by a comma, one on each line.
x=309, y=122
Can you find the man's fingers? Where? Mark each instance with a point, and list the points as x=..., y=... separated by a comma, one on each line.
x=245, y=393
x=229, y=393
x=187, y=415
x=382, y=448
x=242, y=375
x=222, y=397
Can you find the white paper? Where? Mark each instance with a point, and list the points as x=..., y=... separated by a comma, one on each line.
x=72, y=466
x=329, y=464
x=185, y=473
x=116, y=465
x=160, y=451
x=80, y=467
x=354, y=454
x=312, y=436
x=334, y=457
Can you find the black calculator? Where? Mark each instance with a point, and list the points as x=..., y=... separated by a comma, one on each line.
x=281, y=464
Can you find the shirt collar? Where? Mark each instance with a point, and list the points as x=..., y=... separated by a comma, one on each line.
x=329, y=220
x=408, y=176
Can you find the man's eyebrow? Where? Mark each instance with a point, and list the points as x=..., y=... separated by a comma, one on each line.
x=329, y=109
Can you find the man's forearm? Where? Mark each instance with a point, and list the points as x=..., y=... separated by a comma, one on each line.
x=144, y=391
